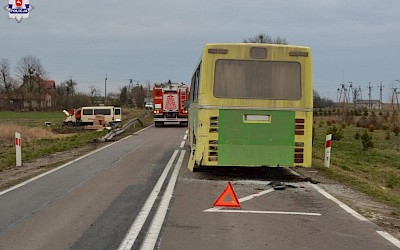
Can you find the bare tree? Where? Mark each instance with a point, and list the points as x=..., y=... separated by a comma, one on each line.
x=31, y=73
x=7, y=83
x=264, y=38
x=30, y=66
x=66, y=91
x=139, y=93
x=149, y=90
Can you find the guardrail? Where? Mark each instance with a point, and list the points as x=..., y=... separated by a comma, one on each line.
x=116, y=131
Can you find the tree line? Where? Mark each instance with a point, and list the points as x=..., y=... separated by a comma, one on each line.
x=23, y=89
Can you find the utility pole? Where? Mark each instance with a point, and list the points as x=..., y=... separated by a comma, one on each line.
x=380, y=95
x=130, y=95
x=105, y=89
x=369, y=96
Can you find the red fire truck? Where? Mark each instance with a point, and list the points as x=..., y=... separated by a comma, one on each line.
x=170, y=103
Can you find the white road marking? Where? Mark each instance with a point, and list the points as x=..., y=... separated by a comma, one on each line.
x=293, y=172
x=252, y=196
x=158, y=220
x=186, y=132
x=182, y=144
x=390, y=238
x=259, y=212
x=53, y=170
x=137, y=225
x=341, y=204
x=63, y=166
x=185, y=137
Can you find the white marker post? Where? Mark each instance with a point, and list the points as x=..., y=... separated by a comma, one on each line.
x=18, y=149
x=328, y=150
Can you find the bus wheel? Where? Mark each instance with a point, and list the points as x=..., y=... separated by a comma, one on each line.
x=70, y=124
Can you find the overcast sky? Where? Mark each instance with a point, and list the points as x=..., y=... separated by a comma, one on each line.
x=157, y=40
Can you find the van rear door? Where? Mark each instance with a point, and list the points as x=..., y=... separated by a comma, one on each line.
x=117, y=114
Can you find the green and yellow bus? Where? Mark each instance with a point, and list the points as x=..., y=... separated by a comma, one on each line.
x=251, y=106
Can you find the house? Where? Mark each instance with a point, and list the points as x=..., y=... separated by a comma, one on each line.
x=369, y=104
x=37, y=93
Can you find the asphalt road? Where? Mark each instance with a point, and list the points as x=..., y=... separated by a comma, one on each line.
x=138, y=194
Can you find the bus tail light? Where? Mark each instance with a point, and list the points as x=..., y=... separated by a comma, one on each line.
x=213, y=124
x=299, y=126
x=299, y=146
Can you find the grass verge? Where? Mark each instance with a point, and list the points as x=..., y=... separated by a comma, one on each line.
x=375, y=171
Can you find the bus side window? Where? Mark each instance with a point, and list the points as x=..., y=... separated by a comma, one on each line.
x=196, y=94
x=102, y=111
x=87, y=111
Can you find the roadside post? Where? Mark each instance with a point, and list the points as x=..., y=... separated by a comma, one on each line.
x=328, y=140
x=18, y=149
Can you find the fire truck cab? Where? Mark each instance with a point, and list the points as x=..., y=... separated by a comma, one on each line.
x=170, y=103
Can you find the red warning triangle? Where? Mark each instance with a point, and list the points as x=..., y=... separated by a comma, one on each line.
x=222, y=202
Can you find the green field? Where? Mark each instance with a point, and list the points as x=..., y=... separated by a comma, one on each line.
x=32, y=119
x=374, y=171
x=39, y=140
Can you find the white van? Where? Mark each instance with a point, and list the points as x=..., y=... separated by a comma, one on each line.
x=86, y=115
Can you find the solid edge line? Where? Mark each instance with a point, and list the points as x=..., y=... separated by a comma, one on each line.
x=182, y=144
x=390, y=238
x=158, y=220
x=55, y=169
x=341, y=204
x=64, y=165
x=137, y=225
x=151, y=125
x=385, y=235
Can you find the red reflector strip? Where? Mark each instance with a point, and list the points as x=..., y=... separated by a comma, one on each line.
x=328, y=144
x=299, y=132
x=298, y=156
x=299, y=126
x=298, y=160
x=299, y=120
x=299, y=150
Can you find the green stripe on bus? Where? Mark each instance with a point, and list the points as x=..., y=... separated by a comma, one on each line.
x=266, y=141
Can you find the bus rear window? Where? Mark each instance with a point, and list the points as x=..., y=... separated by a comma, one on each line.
x=257, y=80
